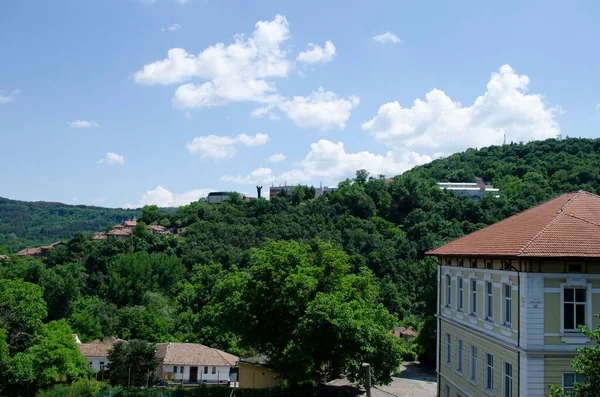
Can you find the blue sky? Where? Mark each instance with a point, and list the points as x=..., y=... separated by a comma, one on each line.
x=129, y=102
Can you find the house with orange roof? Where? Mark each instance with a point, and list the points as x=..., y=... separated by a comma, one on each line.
x=511, y=297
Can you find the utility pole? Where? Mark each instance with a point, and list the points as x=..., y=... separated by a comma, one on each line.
x=367, y=367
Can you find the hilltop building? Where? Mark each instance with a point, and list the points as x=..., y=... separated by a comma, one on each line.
x=511, y=297
x=474, y=191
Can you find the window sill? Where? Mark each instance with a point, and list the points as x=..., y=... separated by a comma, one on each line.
x=506, y=330
x=473, y=319
x=487, y=324
x=473, y=381
x=488, y=391
x=574, y=338
x=459, y=372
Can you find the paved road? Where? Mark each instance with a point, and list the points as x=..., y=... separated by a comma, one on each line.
x=413, y=381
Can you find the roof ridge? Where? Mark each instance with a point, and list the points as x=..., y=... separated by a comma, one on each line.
x=222, y=356
x=583, y=219
x=559, y=214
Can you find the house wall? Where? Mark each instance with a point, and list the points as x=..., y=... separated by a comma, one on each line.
x=221, y=375
x=96, y=362
x=257, y=377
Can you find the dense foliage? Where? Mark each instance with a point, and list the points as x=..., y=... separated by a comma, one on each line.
x=269, y=276
x=31, y=224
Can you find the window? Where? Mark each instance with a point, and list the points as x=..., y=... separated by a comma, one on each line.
x=474, y=297
x=507, y=292
x=459, y=355
x=489, y=372
x=448, y=291
x=507, y=380
x=101, y=364
x=459, y=294
x=181, y=369
x=473, y=368
x=447, y=391
x=569, y=380
x=175, y=368
x=448, y=349
x=574, y=308
x=489, y=301
x=214, y=370
x=205, y=370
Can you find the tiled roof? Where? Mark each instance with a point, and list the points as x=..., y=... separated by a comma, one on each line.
x=3, y=256
x=30, y=251
x=96, y=348
x=119, y=232
x=194, y=354
x=129, y=223
x=566, y=226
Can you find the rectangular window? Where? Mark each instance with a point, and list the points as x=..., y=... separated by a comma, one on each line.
x=473, y=369
x=447, y=389
x=574, y=308
x=459, y=355
x=181, y=369
x=448, y=349
x=489, y=301
x=175, y=368
x=214, y=370
x=474, y=297
x=507, y=304
x=507, y=380
x=489, y=372
x=205, y=370
x=569, y=380
x=459, y=294
x=448, y=291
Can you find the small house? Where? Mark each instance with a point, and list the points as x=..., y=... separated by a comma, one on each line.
x=254, y=373
x=96, y=352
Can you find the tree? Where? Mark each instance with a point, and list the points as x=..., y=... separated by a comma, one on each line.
x=131, y=363
x=22, y=309
x=361, y=176
x=310, y=315
x=585, y=364
x=150, y=214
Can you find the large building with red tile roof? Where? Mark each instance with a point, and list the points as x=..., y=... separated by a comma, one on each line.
x=511, y=297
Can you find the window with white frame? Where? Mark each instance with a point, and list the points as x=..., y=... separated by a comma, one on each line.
x=489, y=372
x=569, y=380
x=507, y=303
x=574, y=308
x=175, y=369
x=447, y=391
x=459, y=355
x=448, y=290
x=448, y=349
x=473, y=366
x=474, y=296
x=489, y=301
x=460, y=294
x=507, y=380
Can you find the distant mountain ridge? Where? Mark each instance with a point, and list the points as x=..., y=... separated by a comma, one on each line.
x=27, y=224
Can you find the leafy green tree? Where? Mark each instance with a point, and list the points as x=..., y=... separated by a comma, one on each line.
x=150, y=214
x=131, y=363
x=586, y=365
x=92, y=317
x=22, y=309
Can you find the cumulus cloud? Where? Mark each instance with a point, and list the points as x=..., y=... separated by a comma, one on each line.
x=241, y=71
x=440, y=125
x=277, y=158
x=321, y=109
x=222, y=147
x=387, y=38
x=329, y=162
x=112, y=158
x=171, y=28
x=9, y=97
x=164, y=198
x=83, y=124
x=317, y=54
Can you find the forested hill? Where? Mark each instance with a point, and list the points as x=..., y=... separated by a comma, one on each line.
x=30, y=224
x=314, y=283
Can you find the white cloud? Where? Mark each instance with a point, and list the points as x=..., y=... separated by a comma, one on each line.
x=10, y=97
x=441, y=125
x=277, y=158
x=222, y=147
x=321, y=109
x=387, y=37
x=112, y=158
x=329, y=162
x=164, y=198
x=171, y=28
x=317, y=54
x=83, y=124
x=241, y=71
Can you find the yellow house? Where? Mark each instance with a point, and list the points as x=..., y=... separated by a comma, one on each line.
x=253, y=373
x=511, y=296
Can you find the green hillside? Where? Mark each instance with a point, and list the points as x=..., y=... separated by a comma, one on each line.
x=29, y=224
x=315, y=283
